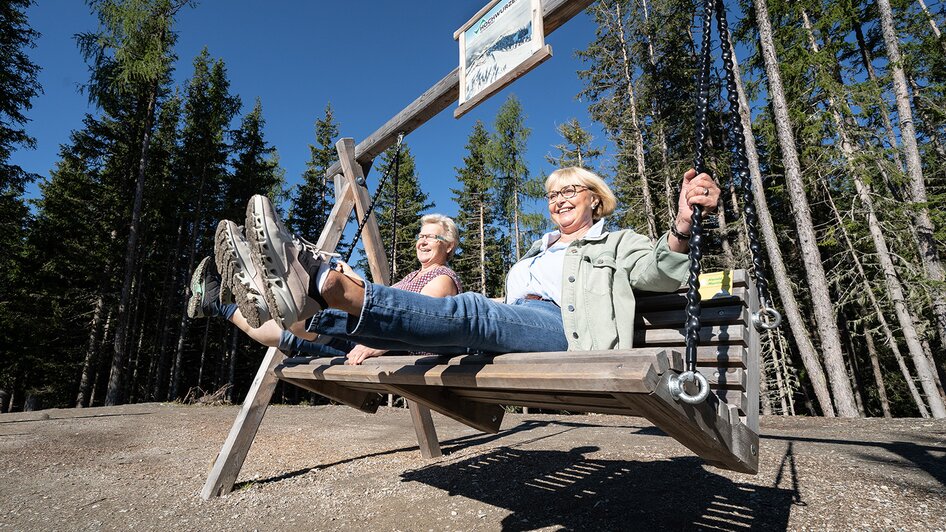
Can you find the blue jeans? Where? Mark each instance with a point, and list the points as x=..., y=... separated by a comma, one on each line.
x=336, y=347
x=399, y=320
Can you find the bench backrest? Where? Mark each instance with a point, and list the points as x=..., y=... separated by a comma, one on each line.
x=728, y=354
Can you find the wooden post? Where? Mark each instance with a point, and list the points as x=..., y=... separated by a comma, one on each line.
x=381, y=273
x=229, y=461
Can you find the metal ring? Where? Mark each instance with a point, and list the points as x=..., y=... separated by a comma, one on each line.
x=677, y=391
x=766, y=318
x=706, y=191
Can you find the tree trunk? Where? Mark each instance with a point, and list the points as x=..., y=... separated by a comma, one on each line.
x=163, y=353
x=231, y=371
x=90, y=352
x=814, y=270
x=115, y=392
x=175, y=379
x=764, y=393
x=917, y=187
x=636, y=134
x=783, y=284
x=481, y=225
x=203, y=355
x=933, y=25
x=878, y=375
x=867, y=61
x=894, y=289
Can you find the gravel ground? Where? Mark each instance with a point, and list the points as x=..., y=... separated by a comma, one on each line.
x=141, y=467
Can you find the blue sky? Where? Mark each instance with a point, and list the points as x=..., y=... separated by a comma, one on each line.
x=369, y=59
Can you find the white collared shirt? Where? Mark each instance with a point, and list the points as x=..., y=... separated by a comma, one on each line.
x=541, y=274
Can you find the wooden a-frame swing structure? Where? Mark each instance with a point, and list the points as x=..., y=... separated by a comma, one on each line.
x=472, y=389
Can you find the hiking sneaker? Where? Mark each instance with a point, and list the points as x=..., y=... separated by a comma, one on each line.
x=241, y=282
x=288, y=265
x=205, y=287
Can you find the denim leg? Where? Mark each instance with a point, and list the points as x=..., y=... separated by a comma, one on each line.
x=335, y=347
x=468, y=321
x=337, y=323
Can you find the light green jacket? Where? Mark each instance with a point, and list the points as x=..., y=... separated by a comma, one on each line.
x=597, y=281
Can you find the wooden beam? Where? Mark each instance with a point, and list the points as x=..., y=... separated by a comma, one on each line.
x=707, y=429
x=481, y=416
x=230, y=459
x=371, y=235
x=445, y=92
x=338, y=218
x=424, y=429
x=365, y=401
x=609, y=377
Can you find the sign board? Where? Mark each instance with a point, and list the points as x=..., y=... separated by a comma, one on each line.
x=501, y=43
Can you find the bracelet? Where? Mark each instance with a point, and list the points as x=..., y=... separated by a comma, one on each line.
x=678, y=234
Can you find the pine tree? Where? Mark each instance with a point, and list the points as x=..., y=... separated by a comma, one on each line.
x=18, y=87
x=313, y=198
x=208, y=110
x=479, y=260
x=506, y=160
x=577, y=149
x=256, y=168
x=130, y=54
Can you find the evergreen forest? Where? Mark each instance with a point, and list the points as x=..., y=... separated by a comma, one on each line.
x=843, y=109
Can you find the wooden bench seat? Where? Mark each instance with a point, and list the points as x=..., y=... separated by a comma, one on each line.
x=474, y=389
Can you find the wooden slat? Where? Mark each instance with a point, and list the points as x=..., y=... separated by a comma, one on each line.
x=230, y=459
x=662, y=358
x=445, y=92
x=707, y=429
x=559, y=401
x=365, y=401
x=736, y=398
x=676, y=301
x=735, y=334
x=481, y=416
x=730, y=314
x=752, y=364
x=564, y=377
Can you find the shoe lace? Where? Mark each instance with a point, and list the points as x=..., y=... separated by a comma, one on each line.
x=314, y=250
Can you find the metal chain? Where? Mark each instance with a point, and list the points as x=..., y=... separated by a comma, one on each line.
x=694, y=308
x=767, y=318
x=374, y=200
x=397, y=173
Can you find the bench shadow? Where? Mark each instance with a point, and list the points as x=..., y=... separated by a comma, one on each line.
x=447, y=446
x=568, y=490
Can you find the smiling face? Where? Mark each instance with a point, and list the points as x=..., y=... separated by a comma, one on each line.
x=432, y=251
x=575, y=213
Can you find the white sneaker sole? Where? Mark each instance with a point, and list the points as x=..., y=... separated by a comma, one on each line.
x=268, y=249
x=236, y=270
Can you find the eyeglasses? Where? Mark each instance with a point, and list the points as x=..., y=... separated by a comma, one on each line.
x=422, y=236
x=566, y=192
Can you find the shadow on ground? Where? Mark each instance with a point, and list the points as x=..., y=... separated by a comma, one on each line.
x=567, y=489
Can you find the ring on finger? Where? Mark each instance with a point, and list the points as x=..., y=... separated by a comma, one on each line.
x=705, y=191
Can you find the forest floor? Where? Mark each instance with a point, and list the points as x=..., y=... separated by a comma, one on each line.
x=141, y=467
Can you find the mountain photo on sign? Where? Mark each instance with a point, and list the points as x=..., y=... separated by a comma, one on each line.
x=501, y=40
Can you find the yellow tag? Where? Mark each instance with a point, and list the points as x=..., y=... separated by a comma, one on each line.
x=715, y=284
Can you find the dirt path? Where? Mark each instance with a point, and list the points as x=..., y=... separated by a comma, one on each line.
x=140, y=467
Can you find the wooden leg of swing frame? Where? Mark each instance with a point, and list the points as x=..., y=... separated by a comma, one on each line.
x=230, y=459
x=425, y=430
